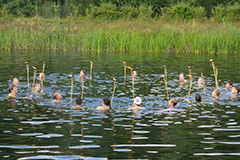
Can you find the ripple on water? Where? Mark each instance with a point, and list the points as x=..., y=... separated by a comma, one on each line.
x=208, y=126
x=49, y=136
x=86, y=141
x=139, y=138
x=70, y=157
x=84, y=147
x=27, y=147
x=216, y=154
x=144, y=145
x=30, y=134
x=122, y=150
x=92, y=136
x=141, y=132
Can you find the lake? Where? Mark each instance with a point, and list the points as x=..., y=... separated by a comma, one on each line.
x=35, y=128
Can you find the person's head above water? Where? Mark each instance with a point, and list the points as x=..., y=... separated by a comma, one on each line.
x=198, y=98
x=181, y=77
x=235, y=90
x=137, y=102
x=229, y=85
x=134, y=72
x=200, y=82
x=106, y=105
x=37, y=87
x=216, y=93
x=78, y=101
x=106, y=101
x=172, y=102
x=57, y=97
x=13, y=90
x=15, y=81
x=82, y=73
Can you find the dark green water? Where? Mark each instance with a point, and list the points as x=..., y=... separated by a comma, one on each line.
x=33, y=128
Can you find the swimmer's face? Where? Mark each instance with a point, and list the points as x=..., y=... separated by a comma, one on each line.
x=59, y=96
x=181, y=77
x=15, y=81
x=37, y=88
x=228, y=86
x=82, y=74
x=135, y=74
x=234, y=91
x=15, y=90
x=214, y=94
x=200, y=81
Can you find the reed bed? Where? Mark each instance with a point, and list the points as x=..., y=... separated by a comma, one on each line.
x=119, y=36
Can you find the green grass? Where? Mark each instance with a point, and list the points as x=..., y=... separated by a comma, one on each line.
x=38, y=34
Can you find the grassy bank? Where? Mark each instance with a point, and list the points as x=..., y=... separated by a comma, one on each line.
x=119, y=36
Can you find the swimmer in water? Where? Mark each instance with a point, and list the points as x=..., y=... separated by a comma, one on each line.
x=182, y=79
x=37, y=88
x=198, y=98
x=235, y=90
x=106, y=105
x=134, y=74
x=229, y=85
x=13, y=90
x=41, y=77
x=172, y=102
x=82, y=74
x=78, y=103
x=57, y=97
x=200, y=82
x=136, y=104
x=216, y=93
x=15, y=81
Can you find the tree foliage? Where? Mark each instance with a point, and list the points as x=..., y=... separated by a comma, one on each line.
x=65, y=8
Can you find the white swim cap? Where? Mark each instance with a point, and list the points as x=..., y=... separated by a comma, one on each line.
x=138, y=100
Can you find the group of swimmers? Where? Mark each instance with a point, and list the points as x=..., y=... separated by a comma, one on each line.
x=106, y=105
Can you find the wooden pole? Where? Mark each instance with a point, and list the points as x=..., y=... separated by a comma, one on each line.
x=91, y=68
x=27, y=65
x=114, y=87
x=34, y=76
x=72, y=79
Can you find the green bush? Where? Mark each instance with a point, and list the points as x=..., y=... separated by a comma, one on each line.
x=218, y=13
x=128, y=12
x=181, y=11
x=145, y=12
x=199, y=13
x=4, y=12
x=233, y=12
x=106, y=11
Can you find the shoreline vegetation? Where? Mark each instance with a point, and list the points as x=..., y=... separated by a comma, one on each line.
x=106, y=28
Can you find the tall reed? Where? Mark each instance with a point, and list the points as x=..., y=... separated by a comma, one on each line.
x=42, y=35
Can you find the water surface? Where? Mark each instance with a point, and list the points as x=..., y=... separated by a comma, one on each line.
x=33, y=128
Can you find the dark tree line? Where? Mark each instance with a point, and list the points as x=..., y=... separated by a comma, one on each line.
x=64, y=8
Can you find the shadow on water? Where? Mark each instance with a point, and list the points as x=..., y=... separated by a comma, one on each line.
x=34, y=128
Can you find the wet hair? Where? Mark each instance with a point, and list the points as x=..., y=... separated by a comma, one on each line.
x=83, y=71
x=36, y=84
x=198, y=98
x=78, y=101
x=107, y=102
x=217, y=91
x=55, y=95
x=230, y=83
x=10, y=88
x=174, y=101
x=237, y=88
x=14, y=78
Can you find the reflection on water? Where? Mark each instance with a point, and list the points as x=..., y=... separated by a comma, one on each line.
x=34, y=128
